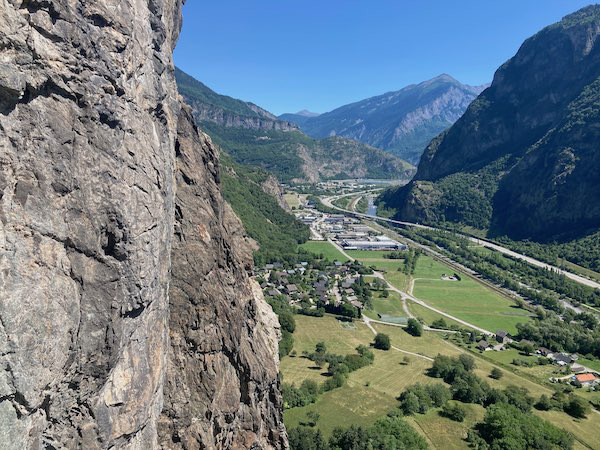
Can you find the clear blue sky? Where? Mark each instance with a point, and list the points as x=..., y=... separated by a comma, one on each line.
x=287, y=55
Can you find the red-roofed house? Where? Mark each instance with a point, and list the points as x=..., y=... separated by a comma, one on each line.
x=586, y=378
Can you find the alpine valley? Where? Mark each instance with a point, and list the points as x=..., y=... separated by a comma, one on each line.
x=184, y=270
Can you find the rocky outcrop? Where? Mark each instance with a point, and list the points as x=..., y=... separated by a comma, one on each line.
x=221, y=389
x=89, y=115
x=523, y=159
x=272, y=187
x=204, y=112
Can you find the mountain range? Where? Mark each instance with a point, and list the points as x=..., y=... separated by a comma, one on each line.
x=523, y=160
x=252, y=135
x=401, y=122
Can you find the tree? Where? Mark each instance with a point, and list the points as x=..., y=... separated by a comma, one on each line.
x=321, y=348
x=439, y=394
x=519, y=397
x=544, y=403
x=286, y=343
x=405, y=360
x=577, y=407
x=287, y=321
x=304, y=438
x=414, y=327
x=527, y=348
x=454, y=412
x=496, y=373
x=467, y=361
x=382, y=342
x=410, y=404
x=505, y=426
x=313, y=417
x=439, y=323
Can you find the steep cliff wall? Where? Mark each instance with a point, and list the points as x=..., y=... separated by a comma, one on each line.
x=523, y=160
x=222, y=382
x=88, y=129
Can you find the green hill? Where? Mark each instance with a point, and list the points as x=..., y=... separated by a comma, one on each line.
x=276, y=231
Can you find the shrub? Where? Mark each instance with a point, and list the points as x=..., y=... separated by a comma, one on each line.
x=382, y=342
x=414, y=327
x=440, y=324
x=577, y=407
x=496, y=373
x=454, y=412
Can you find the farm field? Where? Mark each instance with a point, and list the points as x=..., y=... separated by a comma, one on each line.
x=371, y=392
x=442, y=432
x=391, y=306
x=428, y=316
x=356, y=402
x=370, y=254
x=325, y=248
x=465, y=299
x=584, y=429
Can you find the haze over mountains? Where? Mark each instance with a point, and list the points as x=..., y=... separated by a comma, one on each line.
x=252, y=135
x=523, y=160
x=400, y=122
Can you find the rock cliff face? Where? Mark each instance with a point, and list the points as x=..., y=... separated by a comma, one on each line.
x=271, y=186
x=221, y=389
x=89, y=201
x=208, y=106
x=523, y=160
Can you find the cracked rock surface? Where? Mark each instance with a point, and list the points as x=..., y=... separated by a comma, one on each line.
x=99, y=191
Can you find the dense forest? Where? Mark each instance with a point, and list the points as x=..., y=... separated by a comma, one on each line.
x=277, y=232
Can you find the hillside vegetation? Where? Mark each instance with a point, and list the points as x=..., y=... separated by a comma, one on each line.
x=253, y=136
x=277, y=232
x=523, y=160
x=293, y=156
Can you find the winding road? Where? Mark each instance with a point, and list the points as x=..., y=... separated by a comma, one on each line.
x=485, y=243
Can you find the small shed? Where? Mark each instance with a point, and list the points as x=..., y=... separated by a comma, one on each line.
x=483, y=345
x=501, y=335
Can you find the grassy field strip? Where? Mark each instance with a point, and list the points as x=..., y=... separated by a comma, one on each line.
x=465, y=299
x=370, y=392
x=444, y=260
x=368, y=322
x=326, y=249
x=442, y=433
x=292, y=199
x=585, y=430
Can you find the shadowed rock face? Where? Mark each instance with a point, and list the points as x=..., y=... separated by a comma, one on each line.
x=221, y=389
x=523, y=160
x=89, y=119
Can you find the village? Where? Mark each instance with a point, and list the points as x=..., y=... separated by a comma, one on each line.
x=318, y=286
x=568, y=369
x=339, y=288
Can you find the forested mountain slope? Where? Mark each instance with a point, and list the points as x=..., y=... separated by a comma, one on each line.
x=401, y=122
x=253, y=136
x=523, y=160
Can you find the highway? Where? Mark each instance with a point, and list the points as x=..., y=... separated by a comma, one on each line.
x=327, y=201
